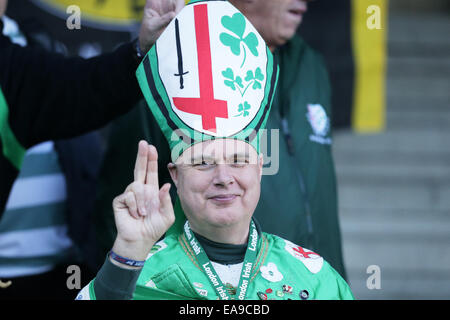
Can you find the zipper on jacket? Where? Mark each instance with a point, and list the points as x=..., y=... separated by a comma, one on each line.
x=290, y=146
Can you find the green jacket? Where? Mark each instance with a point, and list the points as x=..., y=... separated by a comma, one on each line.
x=303, y=80
x=172, y=272
x=303, y=193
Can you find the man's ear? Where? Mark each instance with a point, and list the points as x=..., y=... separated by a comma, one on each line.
x=173, y=173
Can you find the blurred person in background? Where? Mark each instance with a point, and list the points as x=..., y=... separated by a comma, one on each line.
x=44, y=97
x=303, y=192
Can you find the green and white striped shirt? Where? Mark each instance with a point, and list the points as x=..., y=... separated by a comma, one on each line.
x=33, y=230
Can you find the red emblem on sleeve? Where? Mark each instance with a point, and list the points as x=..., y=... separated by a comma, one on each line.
x=303, y=253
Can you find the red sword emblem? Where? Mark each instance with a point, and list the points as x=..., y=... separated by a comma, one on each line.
x=205, y=106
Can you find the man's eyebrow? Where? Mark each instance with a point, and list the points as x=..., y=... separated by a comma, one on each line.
x=202, y=157
x=239, y=155
x=196, y=159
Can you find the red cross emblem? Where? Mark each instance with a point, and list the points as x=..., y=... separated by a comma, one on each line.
x=205, y=106
x=303, y=253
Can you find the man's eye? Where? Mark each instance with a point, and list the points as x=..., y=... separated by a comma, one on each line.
x=203, y=164
x=240, y=162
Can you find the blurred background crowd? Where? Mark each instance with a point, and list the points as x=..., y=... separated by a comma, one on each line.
x=389, y=69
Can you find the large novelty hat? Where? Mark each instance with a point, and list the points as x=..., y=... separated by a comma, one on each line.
x=209, y=75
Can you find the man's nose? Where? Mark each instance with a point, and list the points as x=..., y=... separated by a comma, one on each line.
x=223, y=175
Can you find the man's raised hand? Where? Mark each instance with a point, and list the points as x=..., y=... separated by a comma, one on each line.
x=143, y=213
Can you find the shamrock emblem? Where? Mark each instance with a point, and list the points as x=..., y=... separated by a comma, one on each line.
x=243, y=109
x=232, y=82
x=257, y=77
x=252, y=79
x=236, y=24
x=271, y=273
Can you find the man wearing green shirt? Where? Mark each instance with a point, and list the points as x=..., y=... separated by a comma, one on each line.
x=213, y=248
x=302, y=191
x=220, y=252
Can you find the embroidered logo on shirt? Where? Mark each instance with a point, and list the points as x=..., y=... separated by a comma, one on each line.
x=312, y=261
x=271, y=273
x=150, y=284
x=202, y=292
x=320, y=123
x=161, y=245
x=199, y=287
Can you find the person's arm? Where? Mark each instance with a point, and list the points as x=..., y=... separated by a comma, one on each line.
x=143, y=213
x=113, y=282
x=52, y=97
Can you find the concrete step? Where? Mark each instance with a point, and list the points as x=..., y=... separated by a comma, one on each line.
x=408, y=268
x=418, y=6
x=436, y=87
x=350, y=214
x=423, y=66
x=394, y=140
x=388, y=197
x=375, y=176
x=401, y=285
x=418, y=119
x=354, y=157
x=394, y=187
x=414, y=29
x=410, y=249
x=396, y=101
x=422, y=48
x=398, y=168
x=400, y=227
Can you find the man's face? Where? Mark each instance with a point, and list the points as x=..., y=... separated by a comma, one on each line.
x=218, y=183
x=3, y=4
x=275, y=20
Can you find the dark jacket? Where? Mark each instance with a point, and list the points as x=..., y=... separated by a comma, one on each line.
x=50, y=97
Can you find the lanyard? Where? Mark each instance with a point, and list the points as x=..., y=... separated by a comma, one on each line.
x=249, y=262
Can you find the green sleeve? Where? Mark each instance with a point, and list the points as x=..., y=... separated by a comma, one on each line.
x=11, y=147
x=332, y=285
x=345, y=292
